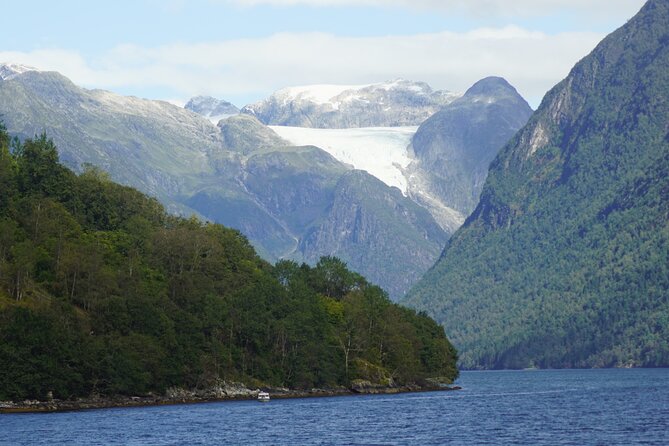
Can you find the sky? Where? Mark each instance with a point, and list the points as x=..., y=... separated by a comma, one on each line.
x=243, y=50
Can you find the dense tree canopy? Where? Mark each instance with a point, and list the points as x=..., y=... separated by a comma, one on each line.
x=103, y=292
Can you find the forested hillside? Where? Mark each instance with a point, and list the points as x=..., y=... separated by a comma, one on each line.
x=103, y=292
x=565, y=261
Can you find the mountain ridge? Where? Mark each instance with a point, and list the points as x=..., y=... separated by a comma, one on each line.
x=387, y=104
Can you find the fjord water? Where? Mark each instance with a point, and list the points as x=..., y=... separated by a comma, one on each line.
x=552, y=407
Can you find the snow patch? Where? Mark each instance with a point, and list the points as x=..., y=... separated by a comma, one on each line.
x=381, y=151
x=11, y=70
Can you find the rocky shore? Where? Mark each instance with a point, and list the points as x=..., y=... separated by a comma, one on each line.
x=225, y=391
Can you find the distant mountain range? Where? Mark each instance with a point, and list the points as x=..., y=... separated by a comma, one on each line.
x=388, y=104
x=565, y=260
x=441, y=165
x=296, y=202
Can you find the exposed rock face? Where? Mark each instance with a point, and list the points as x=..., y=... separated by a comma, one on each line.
x=390, y=104
x=564, y=261
x=211, y=108
x=11, y=70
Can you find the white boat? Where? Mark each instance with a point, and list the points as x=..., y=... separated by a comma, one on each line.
x=263, y=397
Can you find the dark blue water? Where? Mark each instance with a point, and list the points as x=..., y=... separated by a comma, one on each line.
x=575, y=407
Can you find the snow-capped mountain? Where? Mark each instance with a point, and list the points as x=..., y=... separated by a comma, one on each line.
x=11, y=70
x=441, y=164
x=211, y=108
x=389, y=104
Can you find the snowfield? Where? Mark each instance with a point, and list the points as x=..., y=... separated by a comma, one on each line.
x=318, y=94
x=381, y=151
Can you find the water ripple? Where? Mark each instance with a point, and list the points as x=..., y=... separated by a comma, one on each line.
x=575, y=407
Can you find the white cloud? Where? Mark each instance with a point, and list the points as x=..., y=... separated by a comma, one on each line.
x=499, y=8
x=531, y=61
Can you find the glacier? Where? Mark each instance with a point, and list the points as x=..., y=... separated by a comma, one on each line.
x=381, y=151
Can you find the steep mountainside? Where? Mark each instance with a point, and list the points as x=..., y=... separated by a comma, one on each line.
x=453, y=149
x=239, y=173
x=131, y=138
x=565, y=261
x=389, y=104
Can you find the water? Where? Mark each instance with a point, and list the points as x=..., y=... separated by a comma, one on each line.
x=573, y=407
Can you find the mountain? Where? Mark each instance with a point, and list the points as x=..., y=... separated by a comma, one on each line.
x=362, y=219
x=293, y=200
x=440, y=165
x=245, y=135
x=133, y=139
x=212, y=108
x=327, y=208
x=161, y=149
x=565, y=260
x=388, y=104
x=284, y=190
x=239, y=173
x=454, y=148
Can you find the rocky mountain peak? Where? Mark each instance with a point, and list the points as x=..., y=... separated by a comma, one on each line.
x=455, y=146
x=492, y=86
x=11, y=70
x=212, y=108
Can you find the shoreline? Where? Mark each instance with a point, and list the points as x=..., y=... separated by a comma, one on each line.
x=227, y=392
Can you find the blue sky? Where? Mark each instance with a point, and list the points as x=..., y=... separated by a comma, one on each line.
x=242, y=50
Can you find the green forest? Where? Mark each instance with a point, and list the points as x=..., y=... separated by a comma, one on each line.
x=103, y=292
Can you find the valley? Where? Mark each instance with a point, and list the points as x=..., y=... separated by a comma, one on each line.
x=291, y=190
